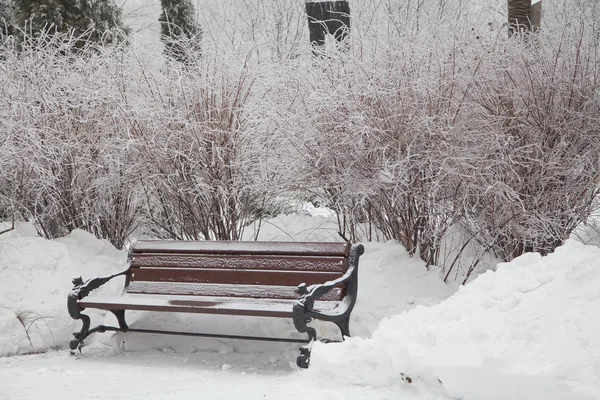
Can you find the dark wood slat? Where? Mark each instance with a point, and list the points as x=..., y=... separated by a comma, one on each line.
x=219, y=290
x=341, y=249
x=295, y=263
x=245, y=277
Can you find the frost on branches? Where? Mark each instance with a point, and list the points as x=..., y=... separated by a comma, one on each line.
x=454, y=141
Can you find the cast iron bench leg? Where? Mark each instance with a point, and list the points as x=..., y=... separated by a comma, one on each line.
x=304, y=358
x=344, y=326
x=82, y=334
x=120, y=314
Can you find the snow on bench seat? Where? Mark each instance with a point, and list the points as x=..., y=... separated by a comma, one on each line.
x=206, y=305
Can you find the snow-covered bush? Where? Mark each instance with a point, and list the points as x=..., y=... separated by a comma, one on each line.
x=376, y=134
x=274, y=30
x=540, y=146
x=463, y=129
x=202, y=153
x=101, y=139
x=415, y=132
x=63, y=139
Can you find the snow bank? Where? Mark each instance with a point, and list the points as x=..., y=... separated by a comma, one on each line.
x=35, y=278
x=529, y=328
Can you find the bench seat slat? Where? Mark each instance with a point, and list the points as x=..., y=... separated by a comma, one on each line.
x=204, y=305
x=237, y=247
x=246, y=277
x=222, y=290
x=293, y=263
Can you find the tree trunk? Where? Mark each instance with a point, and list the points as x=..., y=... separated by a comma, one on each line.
x=523, y=16
x=328, y=17
x=536, y=16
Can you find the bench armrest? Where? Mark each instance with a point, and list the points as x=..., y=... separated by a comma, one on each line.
x=303, y=307
x=81, y=289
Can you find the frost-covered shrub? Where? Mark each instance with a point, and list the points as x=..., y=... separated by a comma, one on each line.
x=89, y=135
x=448, y=137
x=202, y=153
x=464, y=130
x=539, y=159
x=375, y=135
x=63, y=139
x=274, y=30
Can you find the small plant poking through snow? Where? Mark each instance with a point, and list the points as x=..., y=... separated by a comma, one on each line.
x=29, y=321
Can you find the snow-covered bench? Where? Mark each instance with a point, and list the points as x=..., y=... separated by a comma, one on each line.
x=302, y=281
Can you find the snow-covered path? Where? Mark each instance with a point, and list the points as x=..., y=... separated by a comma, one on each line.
x=157, y=375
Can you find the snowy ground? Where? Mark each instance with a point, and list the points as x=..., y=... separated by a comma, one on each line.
x=529, y=331
x=157, y=375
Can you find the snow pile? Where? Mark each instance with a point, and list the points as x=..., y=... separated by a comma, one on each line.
x=35, y=278
x=528, y=329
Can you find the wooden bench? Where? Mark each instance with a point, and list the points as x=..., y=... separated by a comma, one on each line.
x=301, y=281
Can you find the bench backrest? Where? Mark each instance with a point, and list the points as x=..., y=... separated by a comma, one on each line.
x=271, y=270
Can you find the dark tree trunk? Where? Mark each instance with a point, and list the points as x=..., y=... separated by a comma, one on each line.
x=328, y=17
x=523, y=17
x=535, y=16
